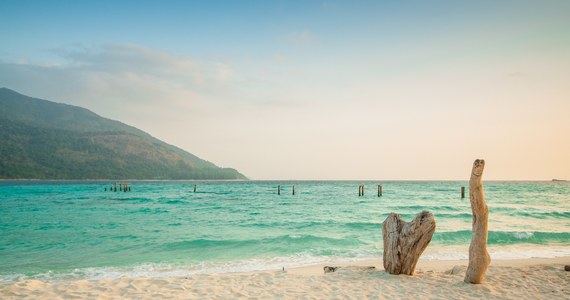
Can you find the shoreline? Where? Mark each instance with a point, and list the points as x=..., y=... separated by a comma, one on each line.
x=428, y=265
x=533, y=278
x=433, y=258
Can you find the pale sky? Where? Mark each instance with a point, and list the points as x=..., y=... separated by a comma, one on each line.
x=313, y=89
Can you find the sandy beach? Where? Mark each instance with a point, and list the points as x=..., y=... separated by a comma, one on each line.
x=506, y=279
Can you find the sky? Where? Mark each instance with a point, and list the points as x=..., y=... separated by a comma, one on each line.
x=324, y=90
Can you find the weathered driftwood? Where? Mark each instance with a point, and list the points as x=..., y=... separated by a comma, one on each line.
x=405, y=242
x=479, y=259
x=567, y=268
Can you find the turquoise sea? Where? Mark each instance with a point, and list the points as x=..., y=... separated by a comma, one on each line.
x=53, y=230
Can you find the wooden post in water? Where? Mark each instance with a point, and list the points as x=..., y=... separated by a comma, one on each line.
x=194, y=188
x=361, y=190
x=379, y=190
x=462, y=192
x=115, y=186
x=278, y=190
x=293, y=190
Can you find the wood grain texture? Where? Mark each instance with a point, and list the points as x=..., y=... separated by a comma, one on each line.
x=405, y=242
x=479, y=258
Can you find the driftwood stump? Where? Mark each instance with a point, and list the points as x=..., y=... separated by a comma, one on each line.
x=479, y=259
x=405, y=242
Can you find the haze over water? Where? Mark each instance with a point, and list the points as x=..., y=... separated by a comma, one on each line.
x=55, y=230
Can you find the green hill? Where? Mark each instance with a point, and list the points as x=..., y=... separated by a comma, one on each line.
x=40, y=139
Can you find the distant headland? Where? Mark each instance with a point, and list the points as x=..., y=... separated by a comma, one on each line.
x=47, y=140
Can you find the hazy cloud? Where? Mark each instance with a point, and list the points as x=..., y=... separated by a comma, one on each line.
x=303, y=37
x=115, y=75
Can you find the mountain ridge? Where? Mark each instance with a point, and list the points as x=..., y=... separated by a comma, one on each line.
x=42, y=139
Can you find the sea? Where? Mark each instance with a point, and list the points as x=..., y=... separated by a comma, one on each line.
x=61, y=230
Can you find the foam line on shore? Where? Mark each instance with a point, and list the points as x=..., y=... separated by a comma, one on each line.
x=506, y=279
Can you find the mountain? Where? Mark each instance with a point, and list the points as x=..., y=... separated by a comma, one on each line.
x=41, y=139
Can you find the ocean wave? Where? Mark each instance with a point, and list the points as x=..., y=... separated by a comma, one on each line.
x=503, y=237
x=158, y=270
x=291, y=244
x=175, y=201
x=133, y=199
x=364, y=225
x=287, y=224
x=277, y=263
x=148, y=210
x=433, y=208
x=542, y=215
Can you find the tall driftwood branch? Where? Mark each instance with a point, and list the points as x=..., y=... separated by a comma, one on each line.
x=405, y=242
x=479, y=258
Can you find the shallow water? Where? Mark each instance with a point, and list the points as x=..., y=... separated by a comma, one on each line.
x=60, y=229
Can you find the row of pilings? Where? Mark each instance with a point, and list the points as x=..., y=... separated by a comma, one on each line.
x=360, y=190
x=125, y=187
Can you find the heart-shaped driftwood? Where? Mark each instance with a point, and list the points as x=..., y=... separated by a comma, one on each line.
x=405, y=242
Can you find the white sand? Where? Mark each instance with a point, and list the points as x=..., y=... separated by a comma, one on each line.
x=506, y=279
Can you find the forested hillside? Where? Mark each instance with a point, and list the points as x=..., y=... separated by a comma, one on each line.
x=41, y=139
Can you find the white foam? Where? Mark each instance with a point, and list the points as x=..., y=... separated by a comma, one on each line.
x=497, y=252
x=277, y=263
x=523, y=235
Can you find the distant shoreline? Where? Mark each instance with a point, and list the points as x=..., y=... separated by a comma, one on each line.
x=276, y=180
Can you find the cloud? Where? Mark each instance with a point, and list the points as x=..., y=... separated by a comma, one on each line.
x=115, y=76
x=143, y=61
x=301, y=38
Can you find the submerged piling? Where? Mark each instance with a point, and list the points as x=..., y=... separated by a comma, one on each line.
x=194, y=188
x=293, y=190
x=379, y=190
x=462, y=192
x=123, y=187
x=361, y=190
x=278, y=190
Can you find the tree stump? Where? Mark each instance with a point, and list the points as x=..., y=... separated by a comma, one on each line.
x=405, y=242
x=479, y=258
